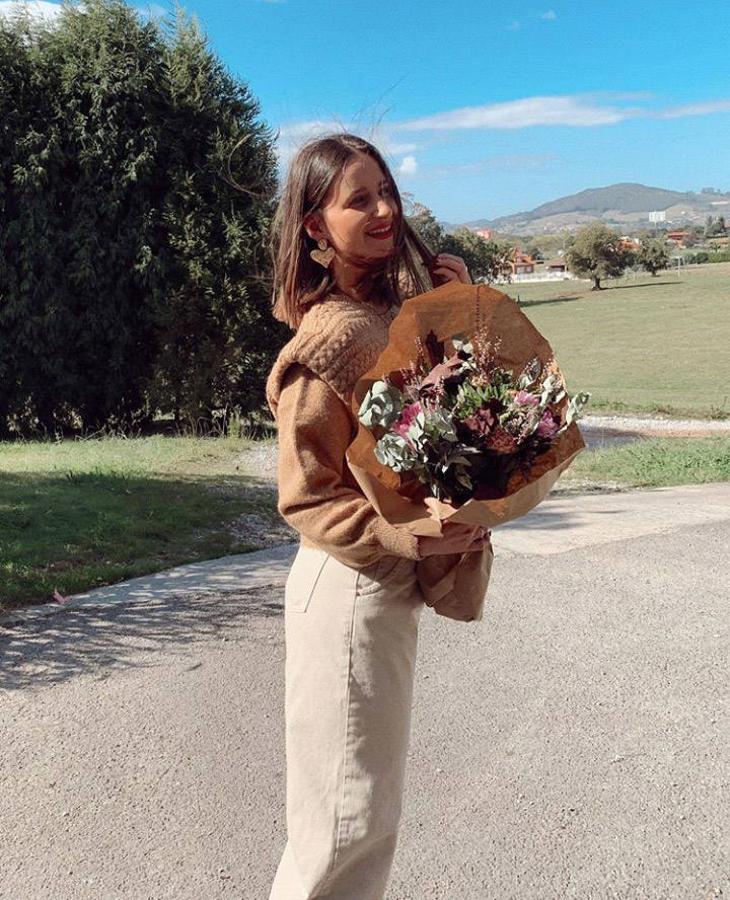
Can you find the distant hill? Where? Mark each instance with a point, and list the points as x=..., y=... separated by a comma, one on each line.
x=623, y=205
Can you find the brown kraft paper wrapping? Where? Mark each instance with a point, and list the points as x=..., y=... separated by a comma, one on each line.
x=455, y=585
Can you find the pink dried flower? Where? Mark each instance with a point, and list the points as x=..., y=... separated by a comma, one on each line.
x=547, y=426
x=405, y=420
x=526, y=398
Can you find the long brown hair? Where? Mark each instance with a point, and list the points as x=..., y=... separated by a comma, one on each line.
x=299, y=282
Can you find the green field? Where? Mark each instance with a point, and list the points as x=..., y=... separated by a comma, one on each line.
x=80, y=514
x=650, y=345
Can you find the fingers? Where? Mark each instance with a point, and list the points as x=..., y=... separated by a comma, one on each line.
x=456, y=538
x=465, y=538
x=479, y=545
x=452, y=268
x=446, y=274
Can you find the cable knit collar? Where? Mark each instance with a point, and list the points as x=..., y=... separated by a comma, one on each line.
x=339, y=339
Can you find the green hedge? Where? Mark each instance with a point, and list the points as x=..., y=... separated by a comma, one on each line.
x=134, y=278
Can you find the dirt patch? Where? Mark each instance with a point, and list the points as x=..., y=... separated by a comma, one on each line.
x=261, y=532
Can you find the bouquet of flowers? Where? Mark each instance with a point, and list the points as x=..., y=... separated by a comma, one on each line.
x=461, y=423
x=465, y=417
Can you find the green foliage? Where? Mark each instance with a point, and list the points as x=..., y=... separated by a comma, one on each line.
x=133, y=274
x=425, y=224
x=533, y=249
x=472, y=397
x=700, y=257
x=703, y=256
x=715, y=227
x=596, y=251
x=381, y=406
x=653, y=255
x=486, y=260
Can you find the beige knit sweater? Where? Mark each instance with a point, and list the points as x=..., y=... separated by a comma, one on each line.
x=309, y=391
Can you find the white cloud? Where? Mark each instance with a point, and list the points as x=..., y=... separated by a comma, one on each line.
x=153, y=11
x=398, y=149
x=694, y=109
x=514, y=25
x=44, y=11
x=550, y=15
x=408, y=166
x=35, y=9
x=293, y=135
x=576, y=111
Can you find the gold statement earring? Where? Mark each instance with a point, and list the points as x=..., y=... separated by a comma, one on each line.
x=324, y=255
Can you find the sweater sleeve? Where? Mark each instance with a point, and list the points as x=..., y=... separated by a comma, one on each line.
x=314, y=433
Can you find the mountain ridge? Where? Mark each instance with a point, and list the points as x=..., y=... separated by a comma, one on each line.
x=623, y=204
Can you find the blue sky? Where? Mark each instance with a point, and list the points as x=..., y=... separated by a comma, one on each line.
x=487, y=108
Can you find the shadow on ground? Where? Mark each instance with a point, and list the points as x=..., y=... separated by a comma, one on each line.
x=102, y=640
x=563, y=299
x=549, y=517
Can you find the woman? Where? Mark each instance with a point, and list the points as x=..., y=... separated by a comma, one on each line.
x=343, y=253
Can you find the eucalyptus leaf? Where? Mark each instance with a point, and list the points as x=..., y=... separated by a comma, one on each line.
x=381, y=405
x=393, y=451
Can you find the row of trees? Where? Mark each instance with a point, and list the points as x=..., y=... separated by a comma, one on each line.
x=133, y=272
x=594, y=252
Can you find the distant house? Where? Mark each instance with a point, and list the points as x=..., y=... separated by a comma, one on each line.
x=679, y=238
x=522, y=263
x=629, y=243
x=485, y=233
x=556, y=265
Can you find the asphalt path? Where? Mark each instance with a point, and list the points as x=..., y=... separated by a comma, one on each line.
x=573, y=744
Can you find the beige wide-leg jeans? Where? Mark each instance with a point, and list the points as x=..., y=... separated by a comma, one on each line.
x=351, y=639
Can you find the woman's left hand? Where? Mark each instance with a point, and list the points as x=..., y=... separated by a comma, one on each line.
x=451, y=268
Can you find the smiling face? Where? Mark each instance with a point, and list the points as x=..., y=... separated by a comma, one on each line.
x=359, y=214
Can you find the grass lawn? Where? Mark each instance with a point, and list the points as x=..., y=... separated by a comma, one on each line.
x=78, y=514
x=650, y=345
x=655, y=462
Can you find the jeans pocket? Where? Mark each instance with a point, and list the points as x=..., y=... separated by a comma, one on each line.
x=303, y=577
x=372, y=578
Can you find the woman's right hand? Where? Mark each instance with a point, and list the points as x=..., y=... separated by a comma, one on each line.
x=455, y=538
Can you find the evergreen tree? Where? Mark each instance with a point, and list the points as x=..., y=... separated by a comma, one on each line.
x=218, y=334
x=133, y=271
x=18, y=97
